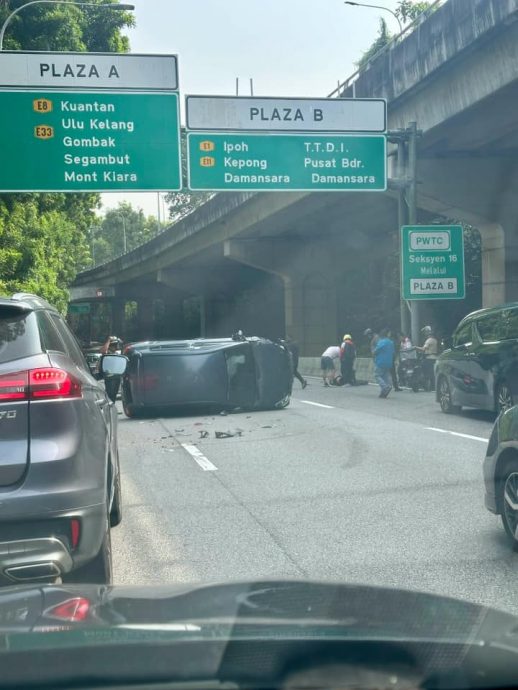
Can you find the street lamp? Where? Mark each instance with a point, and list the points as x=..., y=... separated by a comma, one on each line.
x=377, y=7
x=123, y=230
x=117, y=6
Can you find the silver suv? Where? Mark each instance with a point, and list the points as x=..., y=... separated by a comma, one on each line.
x=59, y=467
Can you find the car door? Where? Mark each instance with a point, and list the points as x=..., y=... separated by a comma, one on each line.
x=458, y=367
x=94, y=414
x=488, y=345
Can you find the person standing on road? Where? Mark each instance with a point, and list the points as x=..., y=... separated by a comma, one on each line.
x=430, y=350
x=373, y=338
x=393, y=372
x=327, y=363
x=383, y=361
x=347, y=357
x=293, y=349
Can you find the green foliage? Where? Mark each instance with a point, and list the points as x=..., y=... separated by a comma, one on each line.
x=384, y=36
x=107, y=236
x=44, y=237
x=408, y=11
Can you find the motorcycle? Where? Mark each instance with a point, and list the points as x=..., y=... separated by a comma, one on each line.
x=412, y=372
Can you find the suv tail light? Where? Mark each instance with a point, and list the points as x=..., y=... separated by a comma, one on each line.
x=38, y=384
x=14, y=386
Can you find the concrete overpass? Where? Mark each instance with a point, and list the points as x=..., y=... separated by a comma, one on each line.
x=273, y=263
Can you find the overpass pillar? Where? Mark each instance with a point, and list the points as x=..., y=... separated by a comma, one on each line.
x=493, y=264
x=145, y=318
x=310, y=273
x=117, y=324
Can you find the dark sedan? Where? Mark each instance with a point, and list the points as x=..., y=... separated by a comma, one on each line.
x=247, y=373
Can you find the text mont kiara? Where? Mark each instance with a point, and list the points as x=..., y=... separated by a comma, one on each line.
x=102, y=129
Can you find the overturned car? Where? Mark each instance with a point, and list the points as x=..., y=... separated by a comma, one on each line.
x=225, y=373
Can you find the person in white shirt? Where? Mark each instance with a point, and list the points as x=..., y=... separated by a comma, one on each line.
x=327, y=363
x=430, y=349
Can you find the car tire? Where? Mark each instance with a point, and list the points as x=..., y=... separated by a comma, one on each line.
x=129, y=410
x=507, y=498
x=503, y=398
x=444, y=394
x=116, y=510
x=98, y=571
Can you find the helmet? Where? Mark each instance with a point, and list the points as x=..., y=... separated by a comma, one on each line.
x=368, y=331
x=347, y=337
x=426, y=330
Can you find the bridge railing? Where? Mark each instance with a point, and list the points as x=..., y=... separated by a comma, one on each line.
x=349, y=83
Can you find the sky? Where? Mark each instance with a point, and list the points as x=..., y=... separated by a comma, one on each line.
x=288, y=48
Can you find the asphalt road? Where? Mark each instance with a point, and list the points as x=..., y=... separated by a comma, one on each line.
x=339, y=486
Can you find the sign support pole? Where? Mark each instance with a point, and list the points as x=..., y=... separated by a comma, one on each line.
x=415, y=312
x=402, y=220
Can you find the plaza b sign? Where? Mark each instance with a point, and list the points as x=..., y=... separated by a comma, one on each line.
x=432, y=262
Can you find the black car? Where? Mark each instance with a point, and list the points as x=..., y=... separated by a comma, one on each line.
x=227, y=373
x=501, y=472
x=480, y=369
x=265, y=634
x=59, y=464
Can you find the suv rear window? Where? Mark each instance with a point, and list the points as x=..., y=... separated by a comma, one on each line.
x=19, y=335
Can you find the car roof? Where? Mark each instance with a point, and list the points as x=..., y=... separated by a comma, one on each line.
x=25, y=301
x=489, y=310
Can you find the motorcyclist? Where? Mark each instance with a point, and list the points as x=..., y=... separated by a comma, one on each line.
x=430, y=350
x=112, y=346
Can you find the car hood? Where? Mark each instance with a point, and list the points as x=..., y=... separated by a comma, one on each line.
x=355, y=608
x=434, y=633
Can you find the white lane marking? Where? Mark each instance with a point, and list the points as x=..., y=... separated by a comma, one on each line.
x=198, y=457
x=456, y=433
x=310, y=402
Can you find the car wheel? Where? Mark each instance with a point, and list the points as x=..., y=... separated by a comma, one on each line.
x=116, y=511
x=508, y=488
x=445, y=397
x=98, y=571
x=503, y=398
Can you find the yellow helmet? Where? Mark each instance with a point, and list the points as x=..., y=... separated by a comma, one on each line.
x=347, y=337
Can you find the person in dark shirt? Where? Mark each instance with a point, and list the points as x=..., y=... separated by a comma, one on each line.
x=293, y=349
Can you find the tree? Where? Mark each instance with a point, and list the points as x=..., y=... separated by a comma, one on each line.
x=384, y=36
x=108, y=235
x=44, y=237
x=408, y=11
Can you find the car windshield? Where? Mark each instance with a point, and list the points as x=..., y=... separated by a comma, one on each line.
x=258, y=314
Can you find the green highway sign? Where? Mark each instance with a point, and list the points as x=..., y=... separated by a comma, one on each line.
x=432, y=262
x=98, y=141
x=79, y=308
x=286, y=162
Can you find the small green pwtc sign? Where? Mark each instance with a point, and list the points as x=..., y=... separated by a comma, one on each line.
x=79, y=308
x=286, y=162
x=68, y=141
x=432, y=262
